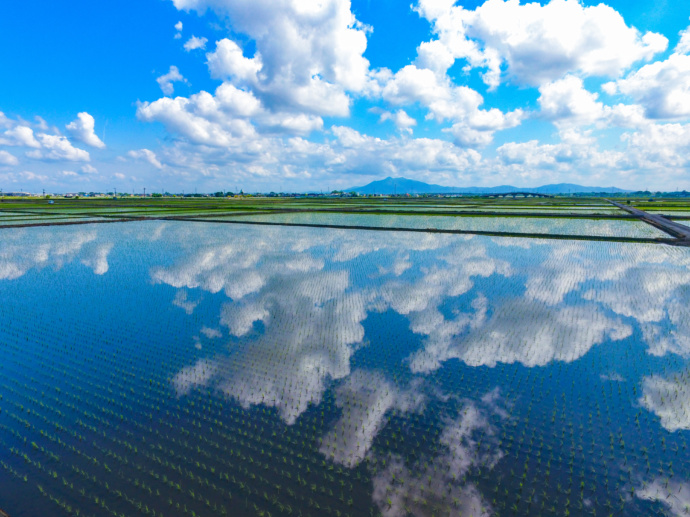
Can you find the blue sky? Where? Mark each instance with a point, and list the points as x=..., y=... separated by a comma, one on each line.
x=310, y=94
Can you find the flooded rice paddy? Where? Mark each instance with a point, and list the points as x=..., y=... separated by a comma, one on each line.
x=194, y=368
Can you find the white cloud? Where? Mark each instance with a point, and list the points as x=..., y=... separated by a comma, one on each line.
x=225, y=119
x=656, y=146
x=311, y=54
x=662, y=88
x=566, y=101
x=195, y=43
x=202, y=118
x=178, y=26
x=472, y=126
x=166, y=81
x=82, y=129
x=41, y=123
x=19, y=136
x=8, y=159
x=683, y=46
x=228, y=61
x=402, y=120
x=56, y=147
x=537, y=43
x=88, y=169
x=532, y=153
x=146, y=155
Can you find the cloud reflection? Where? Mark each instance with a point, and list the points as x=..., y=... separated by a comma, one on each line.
x=440, y=486
x=365, y=398
x=22, y=250
x=669, y=400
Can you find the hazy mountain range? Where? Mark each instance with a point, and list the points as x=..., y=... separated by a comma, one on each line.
x=407, y=186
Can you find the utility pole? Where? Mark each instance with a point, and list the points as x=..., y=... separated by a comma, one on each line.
x=144, y=192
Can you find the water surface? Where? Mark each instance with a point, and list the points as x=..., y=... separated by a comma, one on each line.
x=187, y=368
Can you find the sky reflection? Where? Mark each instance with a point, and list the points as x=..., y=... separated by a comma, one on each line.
x=298, y=320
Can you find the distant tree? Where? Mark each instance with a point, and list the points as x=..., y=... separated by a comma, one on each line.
x=218, y=194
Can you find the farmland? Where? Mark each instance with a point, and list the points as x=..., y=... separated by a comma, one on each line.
x=464, y=356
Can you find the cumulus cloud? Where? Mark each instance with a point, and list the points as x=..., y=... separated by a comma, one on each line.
x=19, y=136
x=228, y=61
x=147, y=155
x=180, y=116
x=567, y=101
x=662, y=88
x=655, y=146
x=82, y=129
x=195, y=43
x=310, y=55
x=460, y=104
x=166, y=81
x=8, y=159
x=536, y=44
x=226, y=119
x=401, y=119
x=683, y=46
x=57, y=148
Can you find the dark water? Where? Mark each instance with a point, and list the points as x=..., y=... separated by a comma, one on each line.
x=196, y=369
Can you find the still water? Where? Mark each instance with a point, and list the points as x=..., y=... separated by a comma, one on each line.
x=209, y=369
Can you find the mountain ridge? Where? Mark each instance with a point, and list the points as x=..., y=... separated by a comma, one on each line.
x=391, y=185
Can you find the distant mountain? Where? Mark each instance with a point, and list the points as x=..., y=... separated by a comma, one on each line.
x=407, y=186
